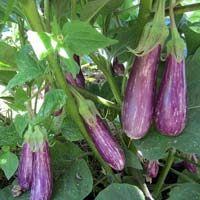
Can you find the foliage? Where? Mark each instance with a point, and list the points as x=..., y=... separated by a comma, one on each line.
x=39, y=42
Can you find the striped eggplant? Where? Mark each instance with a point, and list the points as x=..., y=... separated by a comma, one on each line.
x=152, y=168
x=105, y=143
x=79, y=80
x=170, y=113
x=25, y=167
x=42, y=175
x=117, y=67
x=189, y=166
x=138, y=102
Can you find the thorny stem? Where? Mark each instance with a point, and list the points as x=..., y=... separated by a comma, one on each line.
x=164, y=173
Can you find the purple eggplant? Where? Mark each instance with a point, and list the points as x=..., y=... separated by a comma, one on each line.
x=79, y=80
x=170, y=112
x=189, y=166
x=118, y=68
x=138, y=103
x=106, y=144
x=42, y=175
x=25, y=167
x=171, y=102
x=152, y=168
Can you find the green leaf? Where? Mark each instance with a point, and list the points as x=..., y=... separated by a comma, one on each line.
x=111, y=6
x=121, y=192
x=62, y=155
x=9, y=164
x=132, y=160
x=70, y=130
x=81, y=38
x=28, y=68
x=53, y=101
x=19, y=99
x=185, y=191
x=75, y=184
x=91, y=8
x=6, y=193
x=42, y=43
x=8, y=135
x=20, y=123
x=7, y=55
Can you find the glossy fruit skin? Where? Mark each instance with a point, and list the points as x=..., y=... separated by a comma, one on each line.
x=152, y=168
x=191, y=167
x=170, y=113
x=138, y=103
x=25, y=174
x=42, y=175
x=106, y=145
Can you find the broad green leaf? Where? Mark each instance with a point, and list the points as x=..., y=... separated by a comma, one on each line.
x=132, y=160
x=8, y=135
x=7, y=55
x=28, y=68
x=53, y=101
x=81, y=38
x=192, y=39
x=154, y=145
x=9, y=164
x=20, y=123
x=70, y=130
x=42, y=43
x=75, y=184
x=111, y=6
x=6, y=193
x=121, y=192
x=20, y=98
x=185, y=191
x=6, y=76
x=91, y=8
x=62, y=155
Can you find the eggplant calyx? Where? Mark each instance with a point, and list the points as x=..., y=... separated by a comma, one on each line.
x=154, y=34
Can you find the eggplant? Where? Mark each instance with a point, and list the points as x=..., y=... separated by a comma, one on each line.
x=42, y=175
x=170, y=114
x=25, y=173
x=189, y=166
x=117, y=67
x=79, y=80
x=152, y=168
x=138, y=103
x=106, y=144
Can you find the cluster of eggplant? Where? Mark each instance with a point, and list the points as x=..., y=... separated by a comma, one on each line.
x=34, y=168
x=139, y=105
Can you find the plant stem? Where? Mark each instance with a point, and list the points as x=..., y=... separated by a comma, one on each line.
x=164, y=173
x=33, y=17
x=143, y=16
x=47, y=14
x=184, y=9
x=96, y=98
x=109, y=78
x=181, y=175
x=73, y=10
